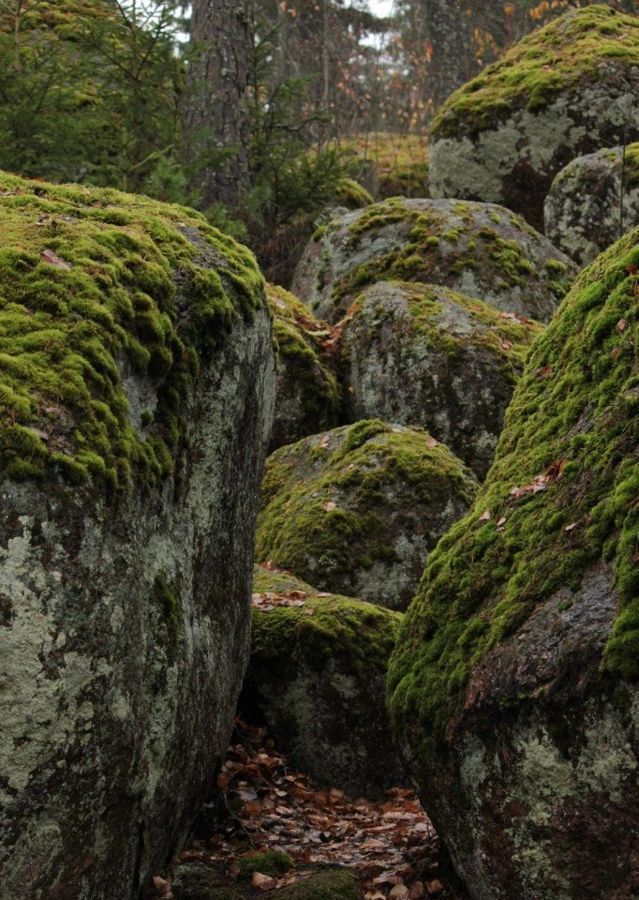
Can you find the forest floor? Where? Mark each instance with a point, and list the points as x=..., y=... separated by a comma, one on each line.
x=389, y=844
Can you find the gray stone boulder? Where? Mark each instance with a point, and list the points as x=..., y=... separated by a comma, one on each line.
x=357, y=510
x=478, y=249
x=317, y=678
x=136, y=384
x=424, y=355
x=514, y=688
x=307, y=397
x=593, y=202
x=565, y=90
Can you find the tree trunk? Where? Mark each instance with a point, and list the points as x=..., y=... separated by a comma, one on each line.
x=216, y=118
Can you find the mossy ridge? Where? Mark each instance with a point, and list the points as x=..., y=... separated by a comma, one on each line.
x=326, y=626
x=326, y=499
x=351, y=194
x=567, y=51
x=573, y=417
x=89, y=280
x=631, y=166
x=416, y=260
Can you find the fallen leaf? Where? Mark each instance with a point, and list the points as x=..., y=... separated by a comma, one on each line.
x=434, y=887
x=485, y=516
x=622, y=325
x=501, y=522
x=571, y=526
x=53, y=259
x=417, y=891
x=330, y=505
x=399, y=892
x=431, y=442
x=263, y=882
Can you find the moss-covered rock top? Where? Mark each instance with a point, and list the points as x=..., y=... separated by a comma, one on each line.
x=478, y=249
x=572, y=49
x=562, y=495
x=108, y=305
x=321, y=625
x=356, y=510
x=352, y=195
x=307, y=390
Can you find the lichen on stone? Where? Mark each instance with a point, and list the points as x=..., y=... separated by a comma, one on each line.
x=108, y=304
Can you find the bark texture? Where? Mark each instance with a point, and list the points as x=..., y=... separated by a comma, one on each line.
x=216, y=119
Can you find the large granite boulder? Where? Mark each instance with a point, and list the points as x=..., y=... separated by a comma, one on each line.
x=514, y=687
x=317, y=678
x=136, y=386
x=479, y=249
x=593, y=202
x=568, y=89
x=424, y=355
x=357, y=510
x=307, y=397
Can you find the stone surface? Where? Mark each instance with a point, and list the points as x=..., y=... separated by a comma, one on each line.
x=199, y=881
x=593, y=202
x=514, y=683
x=136, y=383
x=566, y=90
x=357, y=510
x=425, y=355
x=317, y=678
x=478, y=249
x=307, y=397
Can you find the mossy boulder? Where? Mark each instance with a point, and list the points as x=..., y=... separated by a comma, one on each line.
x=565, y=90
x=593, y=201
x=357, y=510
x=352, y=195
x=514, y=684
x=424, y=355
x=317, y=678
x=478, y=249
x=307, y=396
x=136, y=391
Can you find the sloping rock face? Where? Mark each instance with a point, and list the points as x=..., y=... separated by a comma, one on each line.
x=478, y=249
x=566, y=90
x=514, y=685
x=425, y=355
x=593, y=202
x=357, y=510
x=317, y=678
x=136, y=385
x=307, y=397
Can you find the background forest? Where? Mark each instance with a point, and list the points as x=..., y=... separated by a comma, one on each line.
x=109, y=92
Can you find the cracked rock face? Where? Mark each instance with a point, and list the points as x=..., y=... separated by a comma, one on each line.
x=562, y=92
x=593, y=201
x=124, y=618
x=425, y=355
x=513, y=686
x=478, y=249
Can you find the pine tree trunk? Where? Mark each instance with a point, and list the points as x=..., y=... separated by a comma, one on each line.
x=216, y=118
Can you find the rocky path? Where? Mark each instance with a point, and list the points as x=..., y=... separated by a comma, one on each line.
x=275, y=832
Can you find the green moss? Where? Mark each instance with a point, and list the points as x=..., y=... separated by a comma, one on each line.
x=81, y=300
x=298, y=339
x=325, y=499
x=325, y=627
x=267, y=862
x=352, y=195
x=569, y=50
x=573, y=423
x=419, y=257
x=337, y=884
x=631, y=166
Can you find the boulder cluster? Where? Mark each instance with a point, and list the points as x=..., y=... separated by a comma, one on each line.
x=445, y=533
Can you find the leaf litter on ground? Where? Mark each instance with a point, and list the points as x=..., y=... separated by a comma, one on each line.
x=390, y=843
